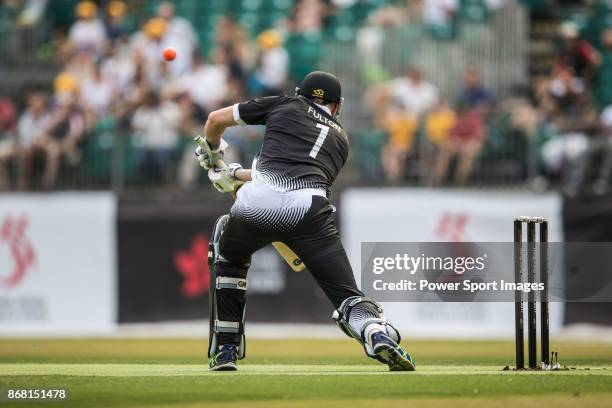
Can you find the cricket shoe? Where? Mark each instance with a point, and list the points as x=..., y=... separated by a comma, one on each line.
x=389, y=352
x=225, y=359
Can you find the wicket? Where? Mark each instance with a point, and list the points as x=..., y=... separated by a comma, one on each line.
x=531, y=301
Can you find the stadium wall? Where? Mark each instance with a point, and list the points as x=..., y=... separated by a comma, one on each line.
x=57, y=263
x=164, y=273
x=80, y=263
x=424, y=215
x=587, y=220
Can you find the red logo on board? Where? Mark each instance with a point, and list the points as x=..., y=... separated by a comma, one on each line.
x=192, y=265
x=13, y=236
x=451, y=227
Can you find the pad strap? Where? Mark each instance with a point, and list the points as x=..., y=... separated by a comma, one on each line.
x=224, y=326
x=226, y=282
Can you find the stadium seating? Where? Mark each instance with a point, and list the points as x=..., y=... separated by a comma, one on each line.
x=475, y=33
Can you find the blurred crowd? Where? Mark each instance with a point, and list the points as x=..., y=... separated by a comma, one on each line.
x=576, y=101
x=453, y=130
x=115, y=72
x=566, y=112
x=113, y=76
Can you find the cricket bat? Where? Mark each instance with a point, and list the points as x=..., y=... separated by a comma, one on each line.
x=294, y=261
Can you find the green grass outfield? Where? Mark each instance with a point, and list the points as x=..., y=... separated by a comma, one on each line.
x=327, y=373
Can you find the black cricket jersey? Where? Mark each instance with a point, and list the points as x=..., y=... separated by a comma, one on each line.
x=303, y=147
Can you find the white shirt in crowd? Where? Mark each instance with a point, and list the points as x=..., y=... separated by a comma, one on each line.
x=88, y=35
x=119, y=69
x=206, y=85
x=436, y=12
x=30, y=127
x=157, y=127
x=97, y=95
x=272, y=72
x=152, y=53
x=416, y=97
x=606, y=117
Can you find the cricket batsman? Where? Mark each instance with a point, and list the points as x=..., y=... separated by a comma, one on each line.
x=285, y=198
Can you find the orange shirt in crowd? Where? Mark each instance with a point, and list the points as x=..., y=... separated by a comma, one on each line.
x=439, y=124
x=402, y=129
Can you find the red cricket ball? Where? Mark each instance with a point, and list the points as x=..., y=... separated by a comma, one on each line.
x=169, y=53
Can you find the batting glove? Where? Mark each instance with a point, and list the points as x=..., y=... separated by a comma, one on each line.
x=232, y=169
x=223, y=177
x=207, y=156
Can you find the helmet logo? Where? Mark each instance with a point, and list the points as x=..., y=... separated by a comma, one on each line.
x=319, y=93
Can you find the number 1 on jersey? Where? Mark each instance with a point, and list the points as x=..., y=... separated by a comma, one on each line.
x=320, y=140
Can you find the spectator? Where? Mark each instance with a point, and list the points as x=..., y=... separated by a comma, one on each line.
x=468, y=140
x=228, y=33
x=231, y=44
x=180, y=35
x=308, y=16
x=474, y=94
x=565, y=103
x=595, y=158
x=192, y=118
x=439, y=125
x=575, y=122
x=32, y=13
x=88, y=33
x=401, y=128
x=31, y=130
x=206, y=84
x=147, y=46
x=439, y=14
x=393, y=110
x=119, y=67
x=117, y=26
x=524, y=117
x=576, y=53
x=567, y=93
x=236, y=70
x=65, y=130
x=371, y=38
x=7, y=140
x=97, y=94
x=413, y=93
x=272, y=66
x=80, y=65
x=468, y=133
x=157, y=124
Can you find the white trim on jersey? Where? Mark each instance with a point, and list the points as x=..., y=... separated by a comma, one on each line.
x=325, y=108
x=236, y=113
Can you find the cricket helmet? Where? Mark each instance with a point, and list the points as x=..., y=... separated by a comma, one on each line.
x=319, y=84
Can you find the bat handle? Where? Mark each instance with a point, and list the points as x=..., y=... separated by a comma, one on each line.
x=199, y=140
